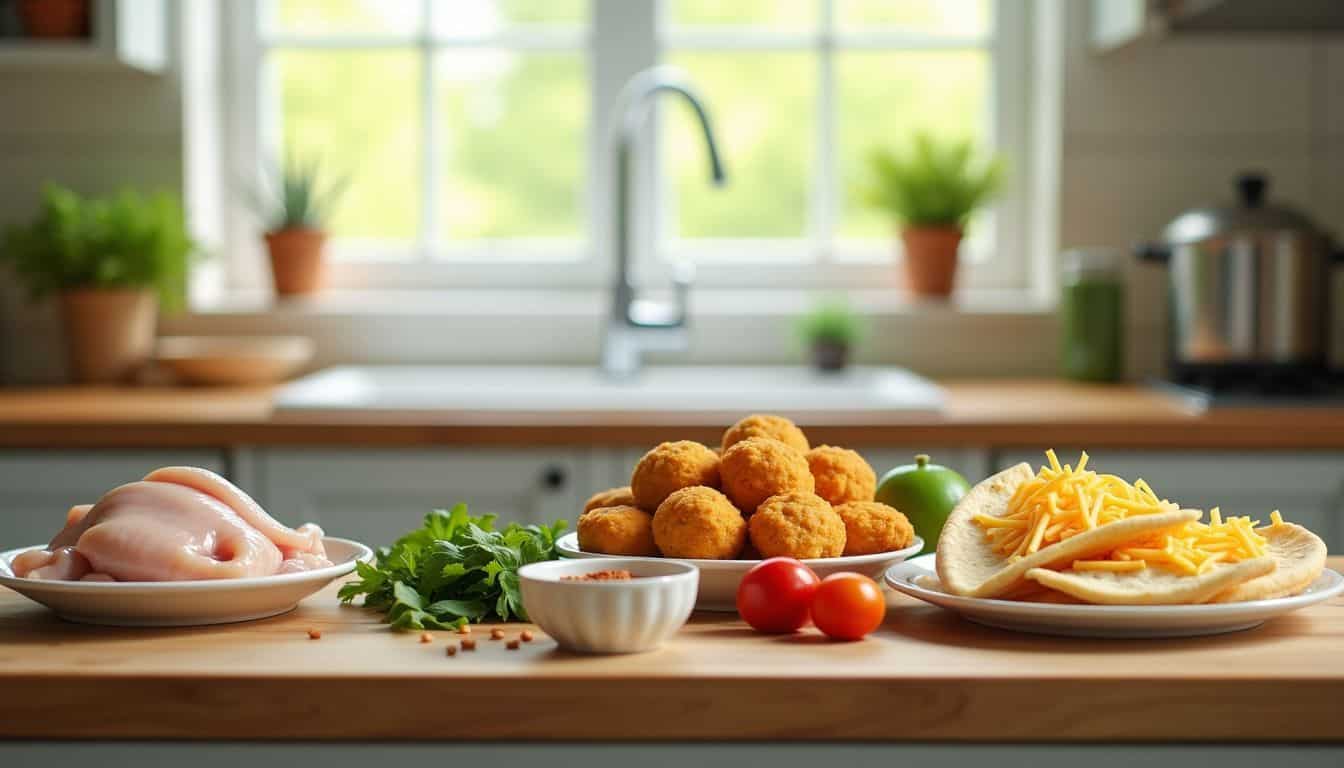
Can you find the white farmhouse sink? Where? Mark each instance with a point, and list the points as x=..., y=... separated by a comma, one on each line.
x=559, y=394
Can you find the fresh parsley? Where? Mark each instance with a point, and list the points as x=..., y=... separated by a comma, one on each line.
x=452, y=570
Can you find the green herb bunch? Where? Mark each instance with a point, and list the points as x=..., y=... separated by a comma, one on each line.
x=830, y=321
x=454, y=569
x=932, y=183
x=128, y=240
x=298, y=198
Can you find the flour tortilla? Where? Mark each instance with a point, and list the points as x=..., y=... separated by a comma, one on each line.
x=1153, y=585
x=969, y=566
x=1300, y=556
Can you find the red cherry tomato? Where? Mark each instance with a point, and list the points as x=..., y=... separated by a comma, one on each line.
x=776, y=595
x=848, y=606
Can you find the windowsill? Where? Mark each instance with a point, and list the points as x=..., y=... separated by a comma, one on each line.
x=876, y=304
x=978, y=333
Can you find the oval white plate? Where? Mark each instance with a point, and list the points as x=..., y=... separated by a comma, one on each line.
x=182, y=603
x=914, y=578
x=719, y=578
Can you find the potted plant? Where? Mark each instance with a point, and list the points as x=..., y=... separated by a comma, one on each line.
x=931, y=189
x=829, y=331
x=296, y=214
x=54, y=19
x=112, y=262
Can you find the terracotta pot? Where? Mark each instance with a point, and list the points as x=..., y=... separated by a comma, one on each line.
x=830, y=356
x=109, y=332
x=931, y=259
x=55, y=19
x=297, y=262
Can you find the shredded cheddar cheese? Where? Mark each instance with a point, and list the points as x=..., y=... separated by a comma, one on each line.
x=1062, y=501
x=1195, y=547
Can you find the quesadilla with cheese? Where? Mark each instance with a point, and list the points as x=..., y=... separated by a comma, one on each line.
x=1097, y=538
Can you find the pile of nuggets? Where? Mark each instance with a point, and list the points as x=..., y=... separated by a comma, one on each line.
x=764, y=493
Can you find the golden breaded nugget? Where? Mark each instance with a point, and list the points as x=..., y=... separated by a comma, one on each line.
x=701, y=523
x=670, y=467
x=757, y=468
x=872, y=527
x=766, y=425
x=623, y=530
x=800, y=525
x=612, y=497
x=842, y=475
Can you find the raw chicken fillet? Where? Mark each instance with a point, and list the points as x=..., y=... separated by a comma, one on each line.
x=178, y=524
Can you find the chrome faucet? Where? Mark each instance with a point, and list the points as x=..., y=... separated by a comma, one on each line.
x=637, y=325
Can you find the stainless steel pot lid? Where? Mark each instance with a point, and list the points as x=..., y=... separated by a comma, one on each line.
x=1250, y=215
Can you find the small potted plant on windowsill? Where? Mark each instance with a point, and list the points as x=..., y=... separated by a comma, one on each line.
x=931, y=189
x=296, y=214
x=829, y=331
x=106, y=260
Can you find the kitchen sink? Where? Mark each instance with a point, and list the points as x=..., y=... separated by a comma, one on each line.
x=563, y=394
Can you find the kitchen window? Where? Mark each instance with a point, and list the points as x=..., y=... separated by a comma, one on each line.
x=474, y=131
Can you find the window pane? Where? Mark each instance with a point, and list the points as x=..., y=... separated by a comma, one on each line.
x=343, y=17
x=513, y=137
x=763, y=106
x=358, y=114
x=934, y=17
x=885, y=97
x=774, y=14
x=472, y=18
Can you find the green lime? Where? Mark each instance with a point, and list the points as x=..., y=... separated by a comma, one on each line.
x=925, y=493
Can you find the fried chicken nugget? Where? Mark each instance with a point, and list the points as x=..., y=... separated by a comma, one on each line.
x=842, y=475
x=766, y=425
x=699, y=522
x=612, y=497
x=670, y=467
x=872, y=527
x=800, y=525
x=619, y=530
x=757, y=468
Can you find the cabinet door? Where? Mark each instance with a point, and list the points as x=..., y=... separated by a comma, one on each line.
x=375, y=496
x=38, y=487
x=1305, y=487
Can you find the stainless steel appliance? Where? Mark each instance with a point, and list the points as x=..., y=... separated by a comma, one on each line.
x=1248, y=287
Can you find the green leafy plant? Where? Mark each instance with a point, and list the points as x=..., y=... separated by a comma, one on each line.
x=453, y=569
x=830, y=321
x=298, y=197
x=128, y=240
x=932, y=183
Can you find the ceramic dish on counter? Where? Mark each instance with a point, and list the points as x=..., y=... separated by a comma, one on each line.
x=233, y=360
x=719, y=578
x=626, y=615
x=918, y=578
x=182, y=603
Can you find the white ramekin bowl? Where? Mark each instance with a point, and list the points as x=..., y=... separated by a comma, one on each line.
x=626, y=616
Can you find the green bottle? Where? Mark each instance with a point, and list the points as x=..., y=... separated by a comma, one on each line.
x=1092, y=316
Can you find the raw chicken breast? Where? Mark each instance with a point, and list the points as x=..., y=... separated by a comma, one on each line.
x=179, y=523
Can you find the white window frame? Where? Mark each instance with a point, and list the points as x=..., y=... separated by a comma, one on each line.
x=626, y=36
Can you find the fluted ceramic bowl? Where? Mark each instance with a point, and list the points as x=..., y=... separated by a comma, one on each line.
x=625, y=616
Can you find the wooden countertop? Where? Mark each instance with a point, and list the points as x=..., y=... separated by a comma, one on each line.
x=981, y=413
x=924, y=676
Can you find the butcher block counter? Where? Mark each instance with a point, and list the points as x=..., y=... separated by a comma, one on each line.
x=925, y=676
x=987, y=413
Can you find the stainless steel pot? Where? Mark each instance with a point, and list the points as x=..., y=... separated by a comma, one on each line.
x=1248, y=287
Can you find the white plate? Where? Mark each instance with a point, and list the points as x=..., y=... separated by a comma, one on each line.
x=918, y=578
x=719, y=578
x=182, y=603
